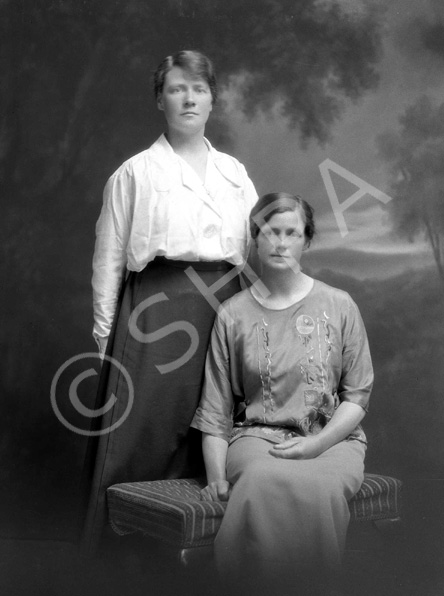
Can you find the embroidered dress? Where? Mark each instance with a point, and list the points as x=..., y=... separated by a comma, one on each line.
x=284, y=371
x=272, y=375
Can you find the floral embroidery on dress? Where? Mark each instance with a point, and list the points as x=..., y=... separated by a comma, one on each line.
x=307, y=374
x=320, y=411
x=263, y=340
x=274, y=434
x=326, y=339
x=308, y=332
x=305, y=324
x=315, y=335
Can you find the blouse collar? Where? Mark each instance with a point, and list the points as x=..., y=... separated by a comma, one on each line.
x=226, y=165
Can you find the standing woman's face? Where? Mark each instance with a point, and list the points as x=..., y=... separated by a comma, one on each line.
x=186, y=102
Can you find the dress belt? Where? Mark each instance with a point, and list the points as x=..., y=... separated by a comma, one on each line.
x=198, y=265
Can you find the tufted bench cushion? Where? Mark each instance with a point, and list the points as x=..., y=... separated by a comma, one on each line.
x=378, y=498
x=172, y=511
x=169, y=510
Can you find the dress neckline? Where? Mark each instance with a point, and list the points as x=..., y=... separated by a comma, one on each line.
x=285, y=307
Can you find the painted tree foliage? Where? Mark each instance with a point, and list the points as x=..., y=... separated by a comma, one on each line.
x=77, y=101
x=415, y=155
x=78, y=72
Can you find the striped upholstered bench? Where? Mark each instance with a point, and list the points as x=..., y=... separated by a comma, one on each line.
x=172, y=512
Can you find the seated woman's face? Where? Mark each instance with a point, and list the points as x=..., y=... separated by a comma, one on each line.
x=185, y=100
x=280, y=244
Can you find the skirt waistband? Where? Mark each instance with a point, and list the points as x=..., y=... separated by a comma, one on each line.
x=198, y=265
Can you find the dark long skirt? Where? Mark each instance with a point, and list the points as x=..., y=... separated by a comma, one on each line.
x=160, y=336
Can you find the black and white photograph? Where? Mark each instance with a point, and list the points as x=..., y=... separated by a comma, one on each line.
x=223, y=298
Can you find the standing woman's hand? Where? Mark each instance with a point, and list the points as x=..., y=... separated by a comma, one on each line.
x=219, y=490
x=102, y=343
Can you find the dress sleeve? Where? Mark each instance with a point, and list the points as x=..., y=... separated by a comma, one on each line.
x=251, y=198
x=215, y=412
x=357, y=370
x=112, y=233
x=249, y=190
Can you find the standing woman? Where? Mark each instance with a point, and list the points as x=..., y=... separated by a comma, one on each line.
x=287, y=383
x=174, y=222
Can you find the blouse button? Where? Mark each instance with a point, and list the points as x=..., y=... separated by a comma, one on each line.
x=210, y=231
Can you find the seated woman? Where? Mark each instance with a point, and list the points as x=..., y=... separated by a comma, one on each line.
x=288, y=380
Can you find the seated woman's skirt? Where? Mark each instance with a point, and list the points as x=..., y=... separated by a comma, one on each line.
x=286, y=520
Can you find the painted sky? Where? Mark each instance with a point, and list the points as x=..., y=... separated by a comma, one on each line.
x=411, y=65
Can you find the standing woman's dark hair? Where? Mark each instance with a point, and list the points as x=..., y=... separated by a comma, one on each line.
x=194, y=63
x=176, y=206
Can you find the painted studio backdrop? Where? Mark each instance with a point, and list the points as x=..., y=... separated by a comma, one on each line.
x=339, y=101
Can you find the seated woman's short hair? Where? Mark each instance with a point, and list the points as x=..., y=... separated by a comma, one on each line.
x=280, y=202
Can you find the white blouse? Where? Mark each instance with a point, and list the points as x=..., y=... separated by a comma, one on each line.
x=156, y=205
